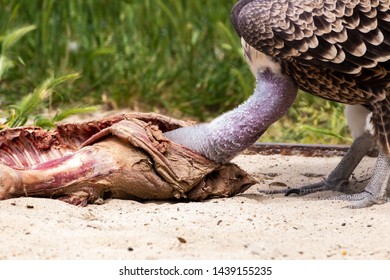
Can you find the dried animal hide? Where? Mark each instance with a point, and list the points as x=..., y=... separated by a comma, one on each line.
x=125, y=156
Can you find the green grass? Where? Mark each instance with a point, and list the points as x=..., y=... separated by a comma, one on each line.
x=178, y=57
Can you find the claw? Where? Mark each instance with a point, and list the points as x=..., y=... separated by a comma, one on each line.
x=293, y=191
x=317, y=187
x=268, y=192
x=338, y=179
x=361, y=200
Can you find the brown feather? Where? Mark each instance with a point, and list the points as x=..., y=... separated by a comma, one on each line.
x=336, y=49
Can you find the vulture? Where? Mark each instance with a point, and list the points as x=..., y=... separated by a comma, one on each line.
x=335, y=49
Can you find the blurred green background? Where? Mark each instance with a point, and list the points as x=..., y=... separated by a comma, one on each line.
x=177, y=57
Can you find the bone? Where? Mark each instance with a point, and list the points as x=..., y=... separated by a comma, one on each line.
x=126, y=157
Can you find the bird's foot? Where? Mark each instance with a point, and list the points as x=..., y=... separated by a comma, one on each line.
x=326, y=185
x=362, y=199
x=338, y=179
x=376, y=190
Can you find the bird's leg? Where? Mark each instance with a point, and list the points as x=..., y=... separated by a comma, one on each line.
x=359, y=123
x=376, y=190
x=339, y=177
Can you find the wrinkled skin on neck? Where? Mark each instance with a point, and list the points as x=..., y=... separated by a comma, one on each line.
x=229, y=134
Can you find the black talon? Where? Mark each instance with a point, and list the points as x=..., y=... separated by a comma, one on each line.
x=292, y=191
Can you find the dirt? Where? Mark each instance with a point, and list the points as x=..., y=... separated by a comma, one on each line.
x=248, y=226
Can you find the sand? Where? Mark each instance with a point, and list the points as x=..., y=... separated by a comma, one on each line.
x=248, y=226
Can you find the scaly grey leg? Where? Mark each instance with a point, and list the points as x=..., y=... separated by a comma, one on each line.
x=339, y=177
x=376, y=190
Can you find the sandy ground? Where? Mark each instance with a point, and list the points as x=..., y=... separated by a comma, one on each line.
x=248, y=226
